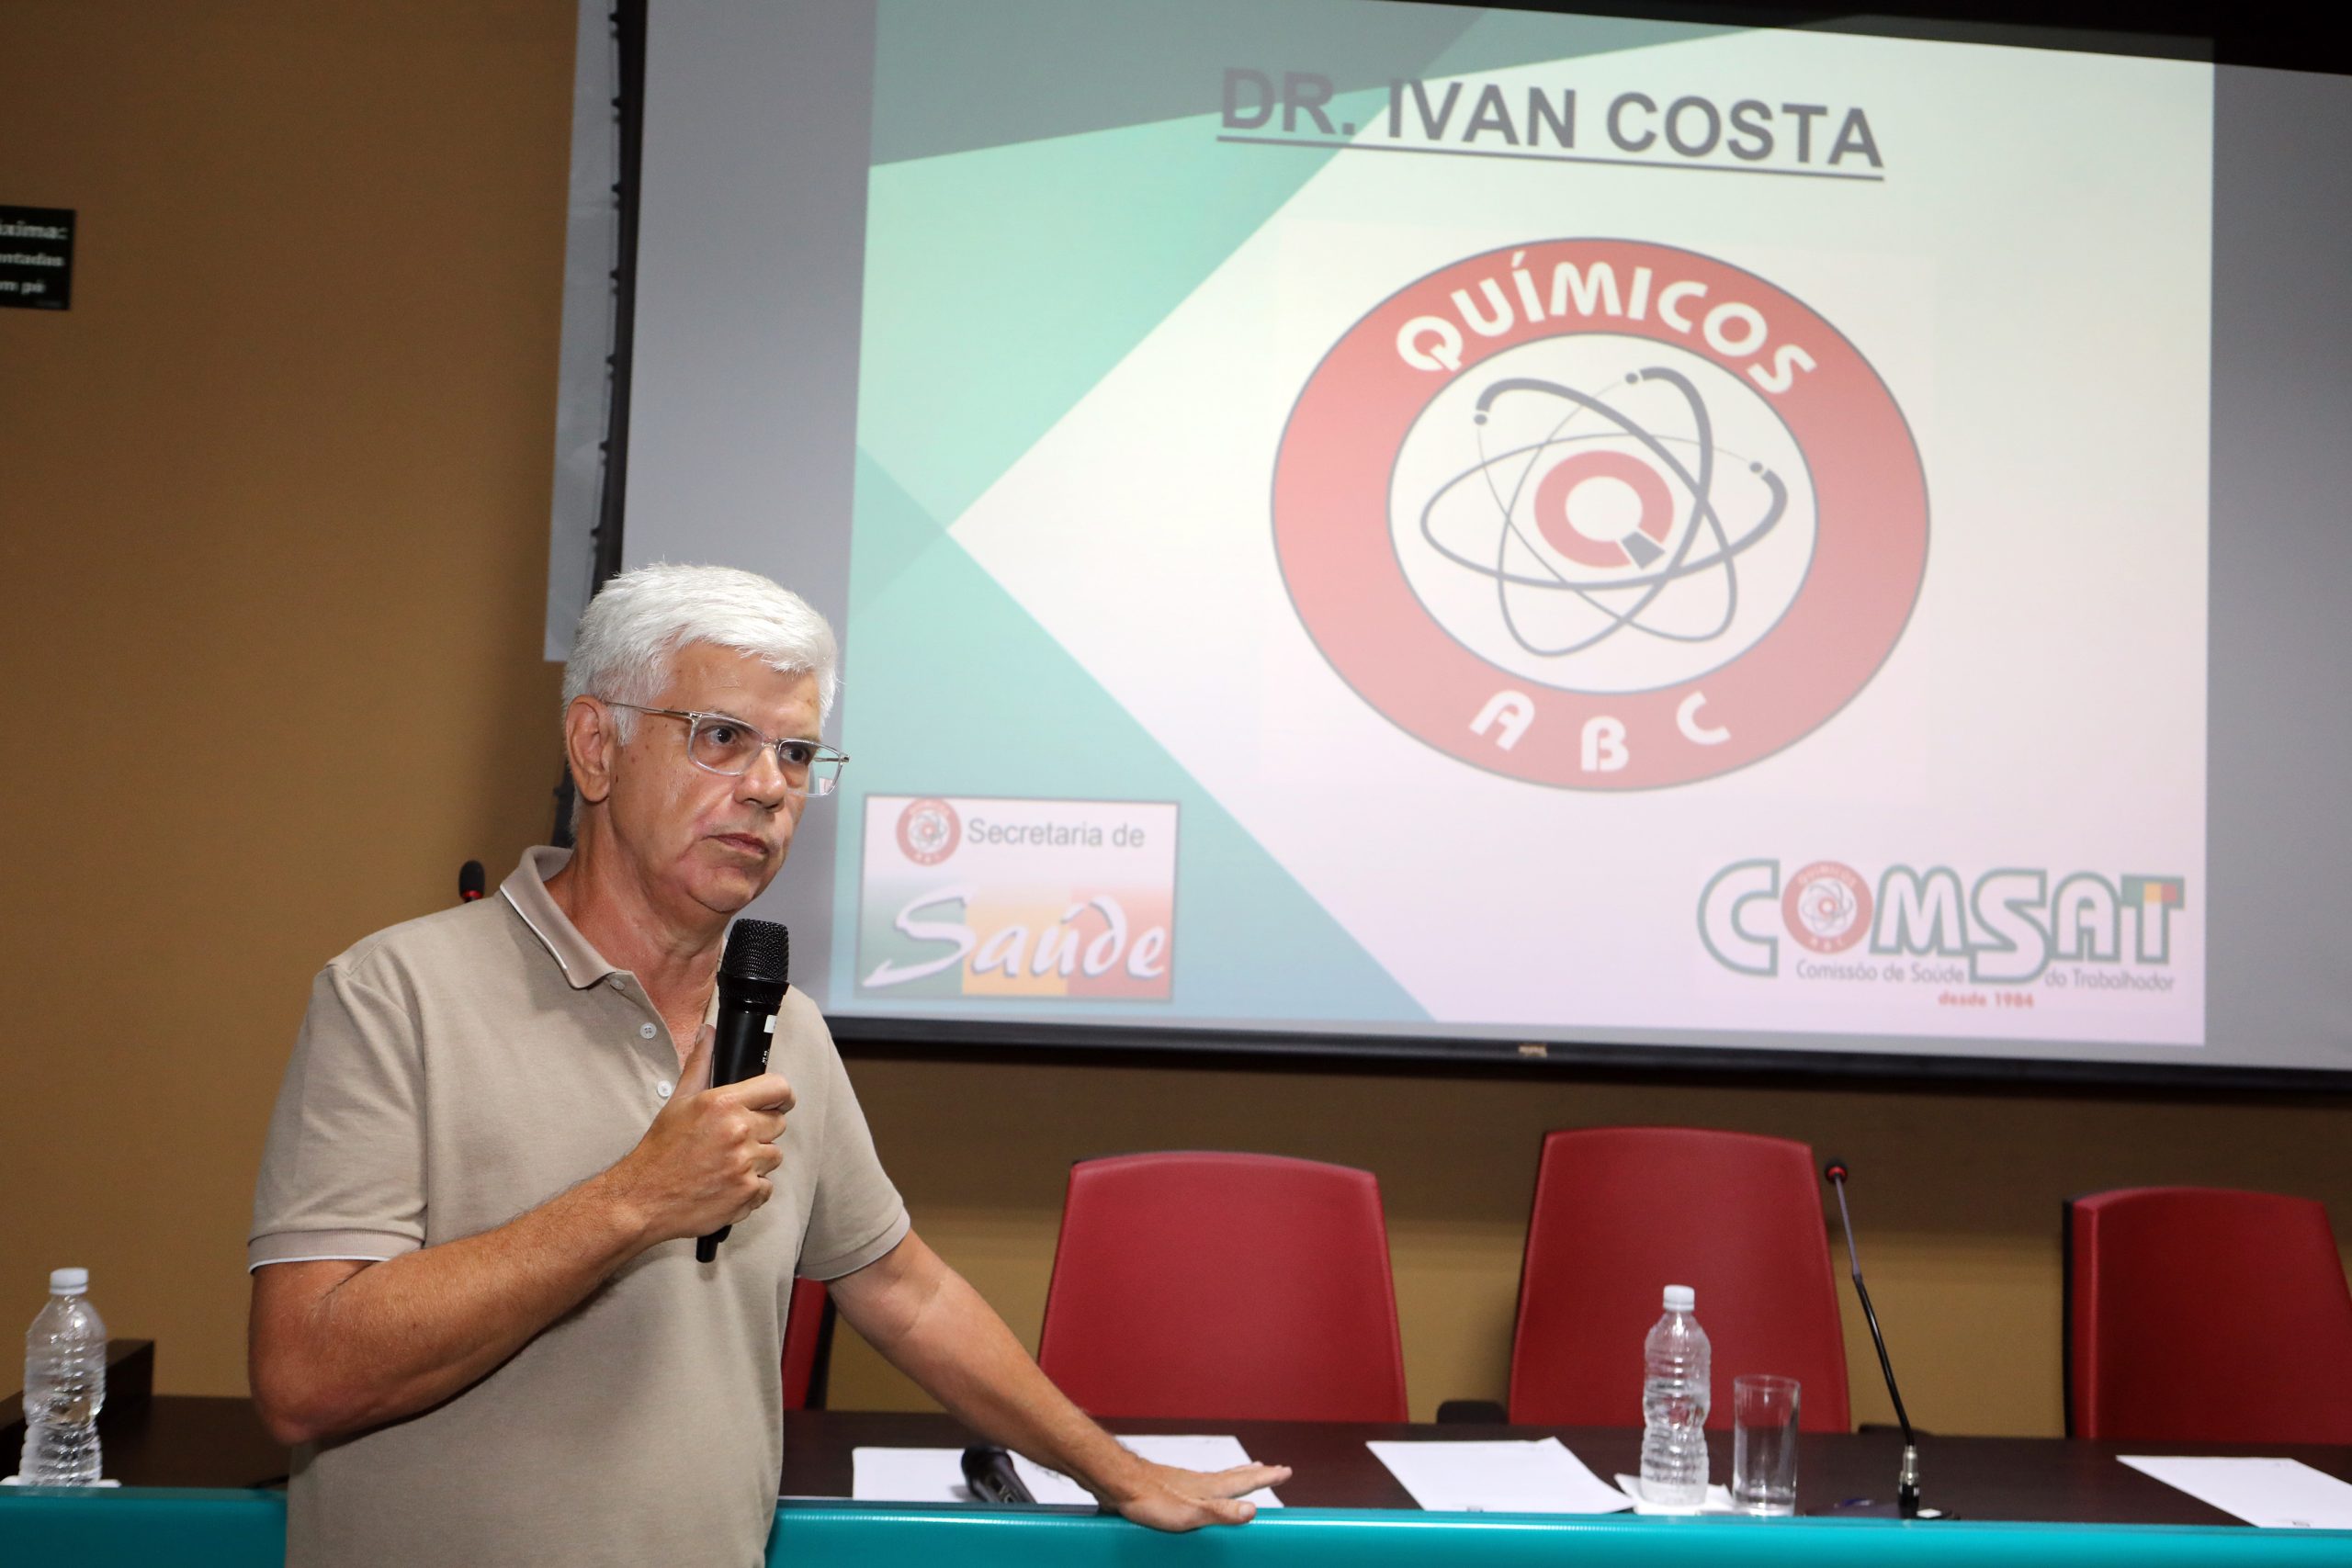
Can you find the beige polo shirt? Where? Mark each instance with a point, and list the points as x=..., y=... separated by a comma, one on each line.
x=460, y=1069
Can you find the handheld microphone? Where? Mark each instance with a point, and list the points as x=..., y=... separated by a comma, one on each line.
x=1906, y=1481
x=987, y=1470
x=470, y=882
x=751, y=988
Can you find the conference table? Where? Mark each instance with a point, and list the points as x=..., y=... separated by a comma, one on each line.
x=203, y=1488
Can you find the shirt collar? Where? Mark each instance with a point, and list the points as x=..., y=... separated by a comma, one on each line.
x=525, y=890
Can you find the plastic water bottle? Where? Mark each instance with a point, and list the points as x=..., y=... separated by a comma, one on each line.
x=66, y=1382
x=1674, y=1405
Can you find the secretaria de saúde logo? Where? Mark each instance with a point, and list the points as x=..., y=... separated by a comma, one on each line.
x=1601, y=514
x=929, y=831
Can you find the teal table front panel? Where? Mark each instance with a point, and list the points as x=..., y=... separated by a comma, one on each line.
x=150, y=1529
x=826, y=1535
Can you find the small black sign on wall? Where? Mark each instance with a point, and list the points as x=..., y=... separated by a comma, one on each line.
x=37, y=257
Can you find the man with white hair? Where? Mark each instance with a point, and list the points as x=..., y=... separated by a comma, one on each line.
x=476, y=1308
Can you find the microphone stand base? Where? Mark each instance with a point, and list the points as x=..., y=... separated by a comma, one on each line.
x=1870, y=1508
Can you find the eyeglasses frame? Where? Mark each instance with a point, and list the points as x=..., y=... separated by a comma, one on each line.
x=772, y=746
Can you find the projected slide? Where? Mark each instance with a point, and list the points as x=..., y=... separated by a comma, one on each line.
x=1520, y=526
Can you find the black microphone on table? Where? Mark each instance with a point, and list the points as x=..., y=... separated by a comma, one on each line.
x=1906, y=1481
x=752, y=983
x=470, y=882
x=987, y=1470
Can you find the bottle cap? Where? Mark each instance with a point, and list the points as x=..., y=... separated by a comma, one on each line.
x=69, y=1282
x=1680, y=1298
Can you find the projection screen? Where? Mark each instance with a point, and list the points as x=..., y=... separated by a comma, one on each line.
x=1392, y=528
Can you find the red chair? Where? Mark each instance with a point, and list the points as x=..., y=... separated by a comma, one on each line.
x=1224, y=1286
x=2197, y=1315
x=808, y=1345
x=1621, y=1213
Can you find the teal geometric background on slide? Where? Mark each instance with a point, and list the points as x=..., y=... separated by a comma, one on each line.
x=1002, y=284
x=955, y=75
x=1003, y=281
x=1023, y=236
x=957, y=691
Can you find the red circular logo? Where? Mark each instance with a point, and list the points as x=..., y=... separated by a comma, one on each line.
x=929, y=831
x=1600, y=514
x=1827, y=907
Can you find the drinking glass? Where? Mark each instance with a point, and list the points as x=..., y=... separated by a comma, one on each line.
x=1764, y=1444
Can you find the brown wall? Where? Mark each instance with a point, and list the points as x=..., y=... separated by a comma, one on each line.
x=273, y=502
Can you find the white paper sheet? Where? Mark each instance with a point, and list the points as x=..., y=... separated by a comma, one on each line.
x=1188, y=1451
x=2277, y=1494
x=937, y=1475
x=1539, y=1477
x=907, y=1476
x=1718, y=1499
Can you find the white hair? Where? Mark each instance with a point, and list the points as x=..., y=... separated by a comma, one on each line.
x=639, y=620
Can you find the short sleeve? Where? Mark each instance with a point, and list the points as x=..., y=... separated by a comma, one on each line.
x=343, y=1172
x=856, y=1214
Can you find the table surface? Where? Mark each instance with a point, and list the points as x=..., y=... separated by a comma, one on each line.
x=190, y=1441
x=176, y=1440
x=2026, y=1479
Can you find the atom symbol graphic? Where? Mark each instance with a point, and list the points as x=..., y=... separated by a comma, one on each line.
x=1638, y=547
x=1603, y=491
x=929, y=830
x=1828, y=908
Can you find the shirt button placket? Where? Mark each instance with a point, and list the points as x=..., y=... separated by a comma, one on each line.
x=647, y=1031
x=663, y=1088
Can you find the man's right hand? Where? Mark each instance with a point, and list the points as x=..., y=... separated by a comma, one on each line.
x=704, y=1163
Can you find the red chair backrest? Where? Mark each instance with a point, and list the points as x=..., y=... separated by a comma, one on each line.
x=2200, y=1314
x=1621, y=1213
x=1224, y=1286
x=804, y=1334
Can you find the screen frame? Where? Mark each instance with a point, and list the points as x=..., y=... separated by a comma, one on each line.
x=931, y=1038
x=934, y=1039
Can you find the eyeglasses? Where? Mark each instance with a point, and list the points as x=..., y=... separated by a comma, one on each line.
x=721, y=743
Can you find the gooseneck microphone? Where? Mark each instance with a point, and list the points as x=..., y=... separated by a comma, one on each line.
x=752, y=983
x=1906, y=1481
x=470, y=882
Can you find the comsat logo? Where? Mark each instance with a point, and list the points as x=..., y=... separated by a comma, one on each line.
x=1600, y=514
x=2003, y=928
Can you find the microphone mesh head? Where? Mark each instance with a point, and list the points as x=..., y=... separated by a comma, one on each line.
x=758, y=951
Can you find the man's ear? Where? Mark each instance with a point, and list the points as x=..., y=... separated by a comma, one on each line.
x=592, y=744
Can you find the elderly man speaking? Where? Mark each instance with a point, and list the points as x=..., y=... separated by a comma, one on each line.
x=476, y=1308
